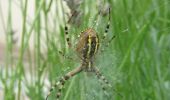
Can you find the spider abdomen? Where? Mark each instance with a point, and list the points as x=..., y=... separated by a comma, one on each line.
x=88, y=44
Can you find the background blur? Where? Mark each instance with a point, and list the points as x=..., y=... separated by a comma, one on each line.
x=136, y=62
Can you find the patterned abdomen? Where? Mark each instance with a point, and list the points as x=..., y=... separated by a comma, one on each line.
x=88, y=44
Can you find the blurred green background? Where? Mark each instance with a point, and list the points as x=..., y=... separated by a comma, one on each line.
x=136, y=62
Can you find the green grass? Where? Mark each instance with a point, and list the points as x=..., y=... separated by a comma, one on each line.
x=137, y=61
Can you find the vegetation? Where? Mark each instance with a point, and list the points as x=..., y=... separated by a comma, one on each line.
x=136, y=62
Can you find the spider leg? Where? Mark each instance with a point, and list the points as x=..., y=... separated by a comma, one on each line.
x=106, y=32
x=66, y=36
x=107, y=44
x=107, y=27
x=65, y=56
x=102, y=78
x=66, y=29
x=61, y=82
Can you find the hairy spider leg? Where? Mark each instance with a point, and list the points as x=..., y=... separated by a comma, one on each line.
x=102, y=79
x=106, y=33
x=66, y=36
x=61, y=82
x=107, y=44
x=66, y=30
x=107, y=27
x=66, y=56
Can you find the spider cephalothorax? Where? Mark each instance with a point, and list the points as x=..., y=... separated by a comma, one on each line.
x=86, y=48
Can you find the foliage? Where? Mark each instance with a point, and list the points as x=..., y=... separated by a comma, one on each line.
x=136, y=62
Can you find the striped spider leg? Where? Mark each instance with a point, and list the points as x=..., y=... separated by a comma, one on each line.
x=61, y=82
x=86, y=48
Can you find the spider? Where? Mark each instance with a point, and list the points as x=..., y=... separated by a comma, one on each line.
x=86, y=48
